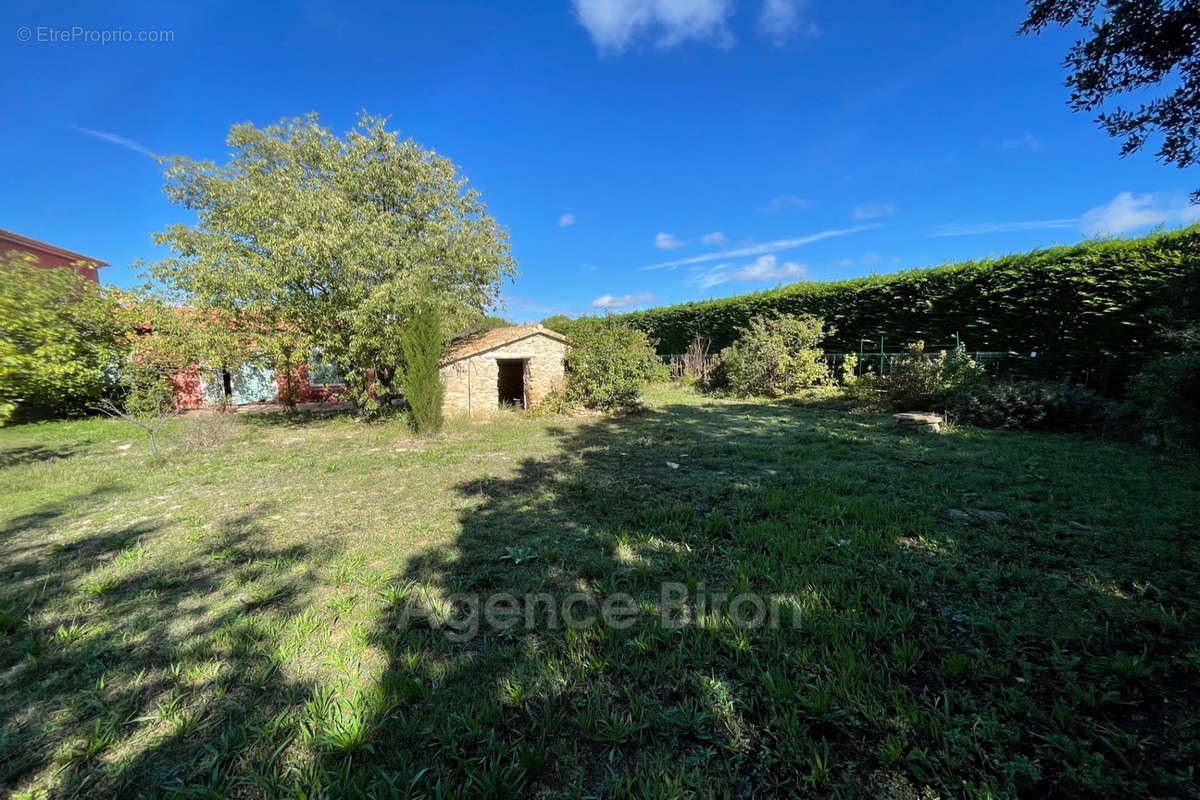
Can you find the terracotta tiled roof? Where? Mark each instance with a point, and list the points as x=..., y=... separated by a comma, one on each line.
x=495, y=338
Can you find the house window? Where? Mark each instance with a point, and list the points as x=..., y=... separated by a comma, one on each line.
x=322, y=372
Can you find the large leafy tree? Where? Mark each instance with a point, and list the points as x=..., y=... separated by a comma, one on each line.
x=59, y=339
x=340, y=238
x=1134, y=45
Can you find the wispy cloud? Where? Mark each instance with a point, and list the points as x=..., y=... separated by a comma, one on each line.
x=525, y=307
x=616, y=25
x=759, y=249
x=764, y=269
x=873, y=210
x=613, y=303
x=1128, y=212
x=1028, y=140
x=668, y=241
x=566, y=220
x=780, y=20
x=714, y=239
x=112, y=138
x=1124, y=213
x=866, y=260
x=979, y=228
x=780, y=202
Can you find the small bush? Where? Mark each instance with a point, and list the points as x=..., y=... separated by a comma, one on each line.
x=773, y=357
x=1032, y=405
x=1166, y=398
x=695, y=359
x=863, y=391
x=206, y=431
x=554, y=403
x=918, y=380
x=421, y=343
x=609, y=363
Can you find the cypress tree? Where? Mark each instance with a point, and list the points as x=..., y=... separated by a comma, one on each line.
x=421, y=342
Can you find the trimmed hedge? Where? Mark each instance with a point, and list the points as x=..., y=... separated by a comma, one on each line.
x=1072, y=305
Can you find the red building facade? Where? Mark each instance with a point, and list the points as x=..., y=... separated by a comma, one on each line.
x=51, y=256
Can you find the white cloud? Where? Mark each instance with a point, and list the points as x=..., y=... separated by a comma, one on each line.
x=615, y=25
x=975, y=229
x=759, y=249
x=1028, y=140
x=668, y=241
x=873, y=210
x=782, y=201
x=1124, y=213
x=1127, y=212
x=764, y=269
x=714, y=239
x=566, y=220
x=780, y=20
x=112, y=138
x=612, y=303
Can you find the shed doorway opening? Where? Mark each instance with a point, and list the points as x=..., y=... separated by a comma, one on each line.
x=510, y=382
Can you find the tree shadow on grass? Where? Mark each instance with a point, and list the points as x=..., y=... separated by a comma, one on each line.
x=48, y=514
x=15, y=456
x=161, y=670
x=913, y=653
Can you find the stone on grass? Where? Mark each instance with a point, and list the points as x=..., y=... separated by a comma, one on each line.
x=977, y=516
x=918, y=422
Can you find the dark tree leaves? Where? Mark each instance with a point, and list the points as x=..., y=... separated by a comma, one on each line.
x=1134, y=45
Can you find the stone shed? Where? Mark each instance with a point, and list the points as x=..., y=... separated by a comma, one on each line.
x=514, y=366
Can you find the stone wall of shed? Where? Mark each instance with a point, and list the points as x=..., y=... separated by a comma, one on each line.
x=471, y=383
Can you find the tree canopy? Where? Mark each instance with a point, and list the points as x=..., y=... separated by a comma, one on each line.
x=340, y=237
x=59, y=338
x=1134, y=45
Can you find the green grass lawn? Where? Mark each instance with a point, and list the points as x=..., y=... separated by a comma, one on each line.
x=230, y=622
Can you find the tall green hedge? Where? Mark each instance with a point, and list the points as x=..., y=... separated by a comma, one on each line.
x=1069, y=304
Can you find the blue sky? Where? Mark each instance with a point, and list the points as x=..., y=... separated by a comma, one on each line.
x=638, y=151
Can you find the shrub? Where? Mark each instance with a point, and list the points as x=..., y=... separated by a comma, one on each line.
x=206, y=431
x=863, y=391
x=1166, y=397
x=59, y=340
x=554, y=403
x=421, y=343
x=919, y=380
x=695, y=359
x=608, y=364
x=775, y=356
x=1031, y=405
